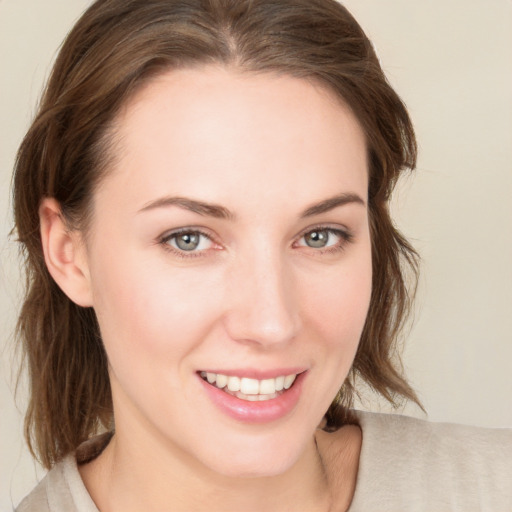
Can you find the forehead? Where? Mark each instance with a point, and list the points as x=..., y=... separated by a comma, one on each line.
x=213, y=132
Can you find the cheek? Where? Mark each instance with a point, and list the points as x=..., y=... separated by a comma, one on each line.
x=149, y=310
x=338, y=303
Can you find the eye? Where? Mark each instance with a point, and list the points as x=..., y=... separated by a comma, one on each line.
x=318, y=238
x=188, y=241
x=329, y=239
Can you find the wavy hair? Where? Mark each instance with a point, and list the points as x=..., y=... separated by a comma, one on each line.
x=116, y=47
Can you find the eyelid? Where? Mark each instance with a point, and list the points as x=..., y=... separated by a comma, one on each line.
x=168, y=235
x=179, y=231
x=343, y=232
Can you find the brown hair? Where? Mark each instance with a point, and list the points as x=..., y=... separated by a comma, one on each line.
x=115, y=47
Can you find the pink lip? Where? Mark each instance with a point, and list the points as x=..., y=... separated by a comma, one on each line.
x=255, y=412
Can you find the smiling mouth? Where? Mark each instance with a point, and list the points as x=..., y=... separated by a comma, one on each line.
x=252, y=390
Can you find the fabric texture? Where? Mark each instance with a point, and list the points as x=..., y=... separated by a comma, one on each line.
x=413, y=465
x=406, y=464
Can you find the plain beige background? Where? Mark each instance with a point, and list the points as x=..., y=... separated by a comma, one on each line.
x=451, y=61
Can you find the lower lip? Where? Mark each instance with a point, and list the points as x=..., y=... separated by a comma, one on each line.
x=255, y=412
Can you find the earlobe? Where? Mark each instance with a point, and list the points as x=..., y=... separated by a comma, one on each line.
x=64, y=254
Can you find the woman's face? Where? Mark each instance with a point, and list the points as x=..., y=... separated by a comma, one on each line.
x=231, y=237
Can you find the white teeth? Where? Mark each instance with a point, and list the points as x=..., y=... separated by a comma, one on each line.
x=254, y=398
x=250, y=389
x=279, y=383
x=267, y=386
x=288, y=381
x=249, y=386
x=233, y=384
x=221, y=381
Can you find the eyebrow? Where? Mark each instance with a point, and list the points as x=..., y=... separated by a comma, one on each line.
x=332, y=203
x=220, y=212
x=200, y=207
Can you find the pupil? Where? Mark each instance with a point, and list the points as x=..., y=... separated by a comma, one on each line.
x=187, y=241
x=317, y=238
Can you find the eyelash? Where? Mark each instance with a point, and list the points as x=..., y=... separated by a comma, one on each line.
x=345, y=238
x=164, y=241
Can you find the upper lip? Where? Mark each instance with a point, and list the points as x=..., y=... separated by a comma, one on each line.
x=258, y=374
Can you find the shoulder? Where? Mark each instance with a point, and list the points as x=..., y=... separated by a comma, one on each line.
x=36, y=500
x=61, y=490
x=453, y=467
x=442, y=443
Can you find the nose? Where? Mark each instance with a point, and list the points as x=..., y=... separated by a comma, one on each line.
x=262, y=303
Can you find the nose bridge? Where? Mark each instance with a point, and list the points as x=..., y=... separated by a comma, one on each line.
x=263, y=306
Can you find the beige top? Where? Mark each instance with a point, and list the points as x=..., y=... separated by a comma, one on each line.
x=405, y=465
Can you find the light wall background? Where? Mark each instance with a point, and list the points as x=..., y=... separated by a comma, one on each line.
x=451, y=61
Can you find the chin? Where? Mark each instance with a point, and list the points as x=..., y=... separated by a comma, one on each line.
x=254, y=461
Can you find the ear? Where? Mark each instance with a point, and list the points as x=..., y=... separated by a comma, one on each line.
x=64, y=254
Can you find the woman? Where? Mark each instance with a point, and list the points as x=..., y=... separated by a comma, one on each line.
x=203, y=200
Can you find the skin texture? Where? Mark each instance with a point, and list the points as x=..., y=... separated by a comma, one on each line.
x=253, y=295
